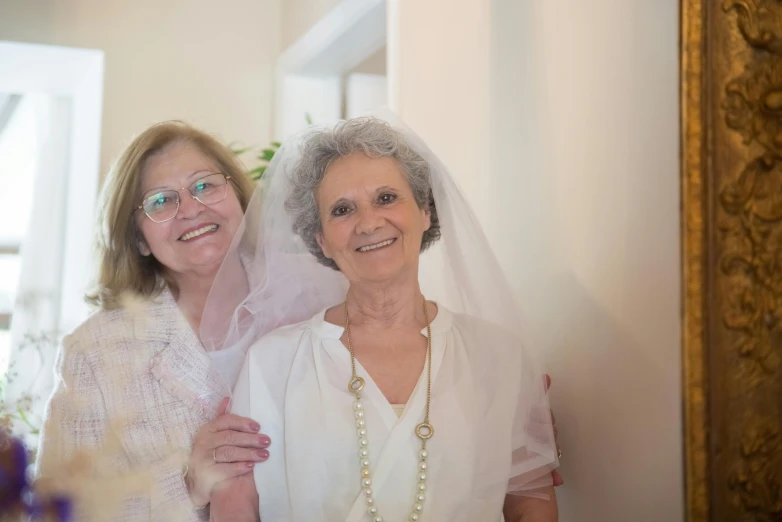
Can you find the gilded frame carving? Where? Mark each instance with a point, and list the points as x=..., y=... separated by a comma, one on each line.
x=731, y=129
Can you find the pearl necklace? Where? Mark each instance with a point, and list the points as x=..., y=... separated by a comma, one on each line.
x=424, y=431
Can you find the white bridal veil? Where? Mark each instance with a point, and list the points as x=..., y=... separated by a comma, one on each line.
x=285, y=284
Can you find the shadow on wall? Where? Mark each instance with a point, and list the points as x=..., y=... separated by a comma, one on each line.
x=605, y=383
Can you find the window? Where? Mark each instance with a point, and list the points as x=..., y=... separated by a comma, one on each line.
x=17, y=177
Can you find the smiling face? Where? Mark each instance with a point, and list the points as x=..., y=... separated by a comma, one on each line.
x=371, y=224
x=198, y=238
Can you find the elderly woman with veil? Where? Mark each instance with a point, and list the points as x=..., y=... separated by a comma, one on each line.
x=403, y=392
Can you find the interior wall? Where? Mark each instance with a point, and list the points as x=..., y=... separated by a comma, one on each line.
x=298, y=17
x=209, y=64
x=560, y=121
x=374, y=64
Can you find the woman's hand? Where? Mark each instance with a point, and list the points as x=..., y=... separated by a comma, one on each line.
x=558, y=480
x=224, y=448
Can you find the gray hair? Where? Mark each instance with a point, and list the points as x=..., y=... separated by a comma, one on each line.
x=321, y=148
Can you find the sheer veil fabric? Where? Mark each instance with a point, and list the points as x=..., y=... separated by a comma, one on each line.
x=282, y=284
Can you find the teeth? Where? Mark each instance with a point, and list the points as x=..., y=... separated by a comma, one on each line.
x=378, y=245
x=196, y=233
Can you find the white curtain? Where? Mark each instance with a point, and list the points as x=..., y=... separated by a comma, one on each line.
x=35, y=324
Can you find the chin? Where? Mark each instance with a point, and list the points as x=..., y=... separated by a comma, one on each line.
x=208, y=256
x=214, y=246
x=382, y=272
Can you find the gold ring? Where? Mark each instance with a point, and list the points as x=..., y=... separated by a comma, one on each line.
x=559, y=453
x=214, y=455
x=425, y=431
x=356, y=384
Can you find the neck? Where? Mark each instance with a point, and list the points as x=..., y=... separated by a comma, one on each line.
x=194, y=290
x=385, y=305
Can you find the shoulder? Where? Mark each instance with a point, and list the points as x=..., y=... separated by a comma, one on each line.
x=100, y=320
x=98, y=329
x=496, y=354
x=472, y=325
x=115, y=329
x=485, y=337
x=270, y=362
x=281, y=341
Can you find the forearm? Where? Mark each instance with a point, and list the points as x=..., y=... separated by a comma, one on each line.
x=529, y=509
x=235, y=500
x=169, y=497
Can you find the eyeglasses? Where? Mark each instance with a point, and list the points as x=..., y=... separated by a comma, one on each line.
x=163, y=205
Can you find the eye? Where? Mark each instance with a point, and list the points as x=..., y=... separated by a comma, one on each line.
x=158, y=200
x=340, y=210
x=387, y=198
x=201, y=186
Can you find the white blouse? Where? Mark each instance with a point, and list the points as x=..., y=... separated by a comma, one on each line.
x=294, y=383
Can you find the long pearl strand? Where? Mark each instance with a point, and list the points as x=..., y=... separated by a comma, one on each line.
x=366, y=471
x=424, y=431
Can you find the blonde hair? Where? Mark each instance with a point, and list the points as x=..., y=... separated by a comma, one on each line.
x=122, y=269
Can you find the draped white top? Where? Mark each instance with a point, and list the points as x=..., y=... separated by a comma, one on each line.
x=294, y=383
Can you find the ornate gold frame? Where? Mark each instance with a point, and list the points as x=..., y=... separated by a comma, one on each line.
x=731, y=128
x=693, y=239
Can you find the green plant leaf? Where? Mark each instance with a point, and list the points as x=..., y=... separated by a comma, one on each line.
x=276, y=144
x=257, y=172
x=267, y=154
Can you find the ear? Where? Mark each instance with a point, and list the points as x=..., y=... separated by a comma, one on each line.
x=138, y=235
x=143, y=248
x=427, y=219
x=322, y=245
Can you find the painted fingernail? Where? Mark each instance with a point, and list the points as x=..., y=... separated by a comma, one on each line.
x=249, y=464
x=265, y=441
x=263, y=454
x=255, y=426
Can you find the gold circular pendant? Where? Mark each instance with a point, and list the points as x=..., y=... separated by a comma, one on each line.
x=356, y=384
x=425, y=431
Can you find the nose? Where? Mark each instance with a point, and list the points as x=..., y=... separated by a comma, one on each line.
x=189, y=207
x=369, y=220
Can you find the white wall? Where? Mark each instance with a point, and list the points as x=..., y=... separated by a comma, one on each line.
x=439, y=74
x=298, y=17
x=374, y=64
x=312, y=70
x=560, y=118
x=205, y=62
x=364, y=93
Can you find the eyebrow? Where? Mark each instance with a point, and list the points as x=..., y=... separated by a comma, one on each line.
x=190, y=177
x=344, y=200
x=340, y=201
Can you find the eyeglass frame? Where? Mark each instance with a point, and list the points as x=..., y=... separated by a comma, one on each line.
x=179, y=199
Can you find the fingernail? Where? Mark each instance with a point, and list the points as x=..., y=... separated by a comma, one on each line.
x=249, y=464
x=255, y=426
x=265, y=441
x=263, y=454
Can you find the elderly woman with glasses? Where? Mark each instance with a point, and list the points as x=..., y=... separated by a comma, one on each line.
x=136, y=427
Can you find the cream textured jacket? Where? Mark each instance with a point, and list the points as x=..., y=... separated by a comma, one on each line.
x=132, y=388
